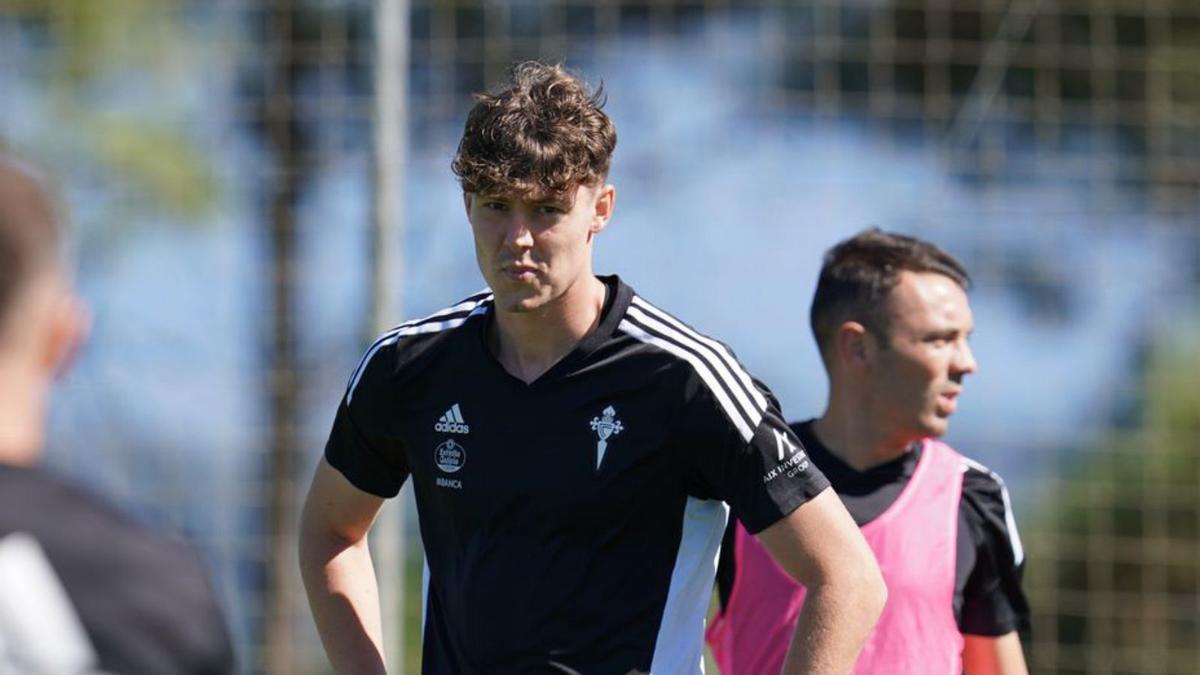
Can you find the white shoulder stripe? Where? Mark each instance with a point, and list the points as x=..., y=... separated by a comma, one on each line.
x=390, y=338
x=476, y=305
x=472, y=302
x=1010, y=520
x=736, y=416
x=718, y=348
x=720, y=368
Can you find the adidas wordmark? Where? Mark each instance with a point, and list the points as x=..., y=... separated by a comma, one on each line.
x=452, y=422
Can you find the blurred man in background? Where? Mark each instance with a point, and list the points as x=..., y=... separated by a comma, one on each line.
x=891, y=319
x=571, y=446
x=82, y=588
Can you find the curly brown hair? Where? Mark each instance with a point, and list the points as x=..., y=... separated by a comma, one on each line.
x=545, y=133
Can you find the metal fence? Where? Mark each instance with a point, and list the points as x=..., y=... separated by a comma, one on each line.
x=218, y=158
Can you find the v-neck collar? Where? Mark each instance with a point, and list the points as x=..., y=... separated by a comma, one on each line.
x=617, y=298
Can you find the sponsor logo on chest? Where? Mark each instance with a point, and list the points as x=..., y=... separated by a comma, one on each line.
x=450, y=457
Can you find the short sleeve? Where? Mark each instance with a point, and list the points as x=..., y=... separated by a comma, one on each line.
x=994, y=602
x=358, y=445
x=758, y=466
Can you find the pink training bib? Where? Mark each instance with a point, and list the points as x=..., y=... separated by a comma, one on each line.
x=914, y=541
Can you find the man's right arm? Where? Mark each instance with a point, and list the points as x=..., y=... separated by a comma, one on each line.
x=339, y=577
x=993, y=655
x=994, y=604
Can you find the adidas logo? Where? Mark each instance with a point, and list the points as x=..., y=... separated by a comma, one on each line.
x=452, y=422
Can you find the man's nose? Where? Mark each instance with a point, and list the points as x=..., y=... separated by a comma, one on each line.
x=964, y=359
x=518, y=233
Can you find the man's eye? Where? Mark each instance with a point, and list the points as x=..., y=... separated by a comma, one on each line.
x=548, y=209
x=495, y=206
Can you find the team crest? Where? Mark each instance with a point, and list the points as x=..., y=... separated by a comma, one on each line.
x=605, y=426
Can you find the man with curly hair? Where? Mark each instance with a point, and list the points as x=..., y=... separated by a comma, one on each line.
x=574, y=450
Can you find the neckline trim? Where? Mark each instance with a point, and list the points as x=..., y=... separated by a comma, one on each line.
x=617, y=301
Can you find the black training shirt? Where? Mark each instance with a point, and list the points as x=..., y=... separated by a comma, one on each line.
x=144, y=601
x=570, y=524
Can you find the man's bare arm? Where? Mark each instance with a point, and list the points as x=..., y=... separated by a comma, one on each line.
x=985, y=655
x=822, y=548
x=337, y=571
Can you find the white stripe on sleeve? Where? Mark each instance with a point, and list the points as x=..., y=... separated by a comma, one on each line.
x=745, y=428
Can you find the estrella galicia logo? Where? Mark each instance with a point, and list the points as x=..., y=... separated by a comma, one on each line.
x=449, y=456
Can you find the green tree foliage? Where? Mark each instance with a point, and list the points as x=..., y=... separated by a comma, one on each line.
x=95, y=64
x=1114, y=559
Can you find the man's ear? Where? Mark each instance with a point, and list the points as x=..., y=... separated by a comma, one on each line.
x=852, y=343
x=606, y=198
x=67, y=329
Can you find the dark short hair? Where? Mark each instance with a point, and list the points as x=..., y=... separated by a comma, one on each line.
x=545, y=133
x=857, y=274
x=28, y=232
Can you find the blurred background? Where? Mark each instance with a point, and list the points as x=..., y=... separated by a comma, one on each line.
x=226, y=180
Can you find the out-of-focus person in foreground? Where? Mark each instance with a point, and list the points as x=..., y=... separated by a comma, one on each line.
x=82, y=587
